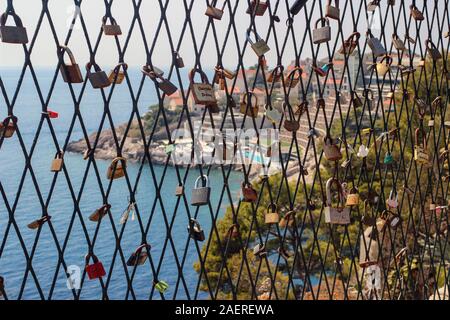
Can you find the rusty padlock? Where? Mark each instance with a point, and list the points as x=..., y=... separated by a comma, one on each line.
x=323, y=33
x=116, y=76
x=416, y=13
x=276, y=74
x=98, y=78
x=294, y=77
x=57, y=162
x=249, y=193
x=112, y=29
x=331, y=150
x=258, y=7
x=336, y=215
x=202, y=92
x=291, y=124
x=139, y=256
x=8, y=127
x=215, y=13
x=12, y=34
x=71, y=73
x=116, y=169
x=260, y=47
x=349, y=45
x=333, y=12
x=98, y=214
x=179, y=62
x=165, y=85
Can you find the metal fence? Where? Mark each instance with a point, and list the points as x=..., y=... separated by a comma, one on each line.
x=321, y=169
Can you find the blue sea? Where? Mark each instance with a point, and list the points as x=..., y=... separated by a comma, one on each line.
x=26, y=199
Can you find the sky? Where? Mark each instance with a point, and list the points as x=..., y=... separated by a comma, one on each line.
x=62, y=11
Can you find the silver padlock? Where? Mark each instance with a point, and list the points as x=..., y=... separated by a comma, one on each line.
x=375, y=45
x=322, y=34
x=259, y=46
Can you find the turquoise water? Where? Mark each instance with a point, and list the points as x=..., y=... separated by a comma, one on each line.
x=61, y=205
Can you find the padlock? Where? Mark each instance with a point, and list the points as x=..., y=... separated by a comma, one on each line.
x=330, y=150
x=294, y=77
x=349, y=45
x=116, y=170
x=416, y=13
x=98, y=78
x=398, y=43
x=375, y=45
x=8, y=127
x=162, y=83
x=276, y=74
x=247, y=107
x=322, y=34
x=203, y=92
x=233, y=231
x=98, y=214
x=368, y=94
x=139, y=256
x=96, y=269
x=57, y=162
x=259, y=250
x=388, y=159
x=363, y=151
x=259, y=46
x=179, y=62
x=195, y=230
x=112, y=29
x=420, y=150
x=290, y=123
x=116, y=76
x=257, y=7
x=12, y=34
x=39, y=222
x=392, y=201
x=272, y=216
x=200, y=194
x=333, y=12
x=161, y=286
x=288, y=220
x=214, y=12
x=392, y=219
x=248, y=192
x=352, y=198
x=179, y=190
x=373, y=5
x=272, y=114
x=384, y=65
x=357, y=102
x=71, y=73
x=336, y=215
x=322, y=71
x=433, y=52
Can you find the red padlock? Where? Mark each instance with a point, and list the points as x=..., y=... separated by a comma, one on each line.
x=95, y=270
x=52, y=114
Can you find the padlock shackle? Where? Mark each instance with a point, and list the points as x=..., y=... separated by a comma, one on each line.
x=195, y=224
x=9, y=119
x=113, y=21
x=325, y=22
x=329, y=184
x=296, y=70
x=429, y=44
x=336, y=2
x=89, y=65
x=252, y=95
x=59, y=154
x=203, y=76
x=388, y=59
x=202, y=178
x=122, y=65
x=89, y=256
x=16, y=18
x=65, y=49
x=116, y=160
x=272, y=207
x=249, y=39
x=142, y=246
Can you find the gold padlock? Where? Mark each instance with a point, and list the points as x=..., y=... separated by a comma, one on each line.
x=384, y=65
x=57, y=162
x=272, y=216
x=115, y=75
x=352, y=198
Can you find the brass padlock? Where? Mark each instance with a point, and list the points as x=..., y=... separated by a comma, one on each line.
x=323, y=33
x=331, y=150
x=333, y=12
x=203, y=92
x=257, y=7
x=98, y=78
x=294, y=77
x=57, y=162
x=179, y=190
x=336, y=215
x=71, y=73
x=214, y=12
x=12, y=34
x=432, y=50
x=259, y=46
x=116, y=170
x=272, y=216
x=375, y=45
x=112, y=29
x=288, y=220
x=398, y=43
x=162, y=83
x=416, y=13
x=420, y=150
x=247, y=107
x=349, y=45
x=384, y=65
x=98, y=214
x=352, y=197
x=116, y=76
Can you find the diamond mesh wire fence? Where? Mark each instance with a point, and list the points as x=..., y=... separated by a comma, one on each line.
x=269, y=150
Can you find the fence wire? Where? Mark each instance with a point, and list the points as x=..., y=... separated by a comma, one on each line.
x=352, y=203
